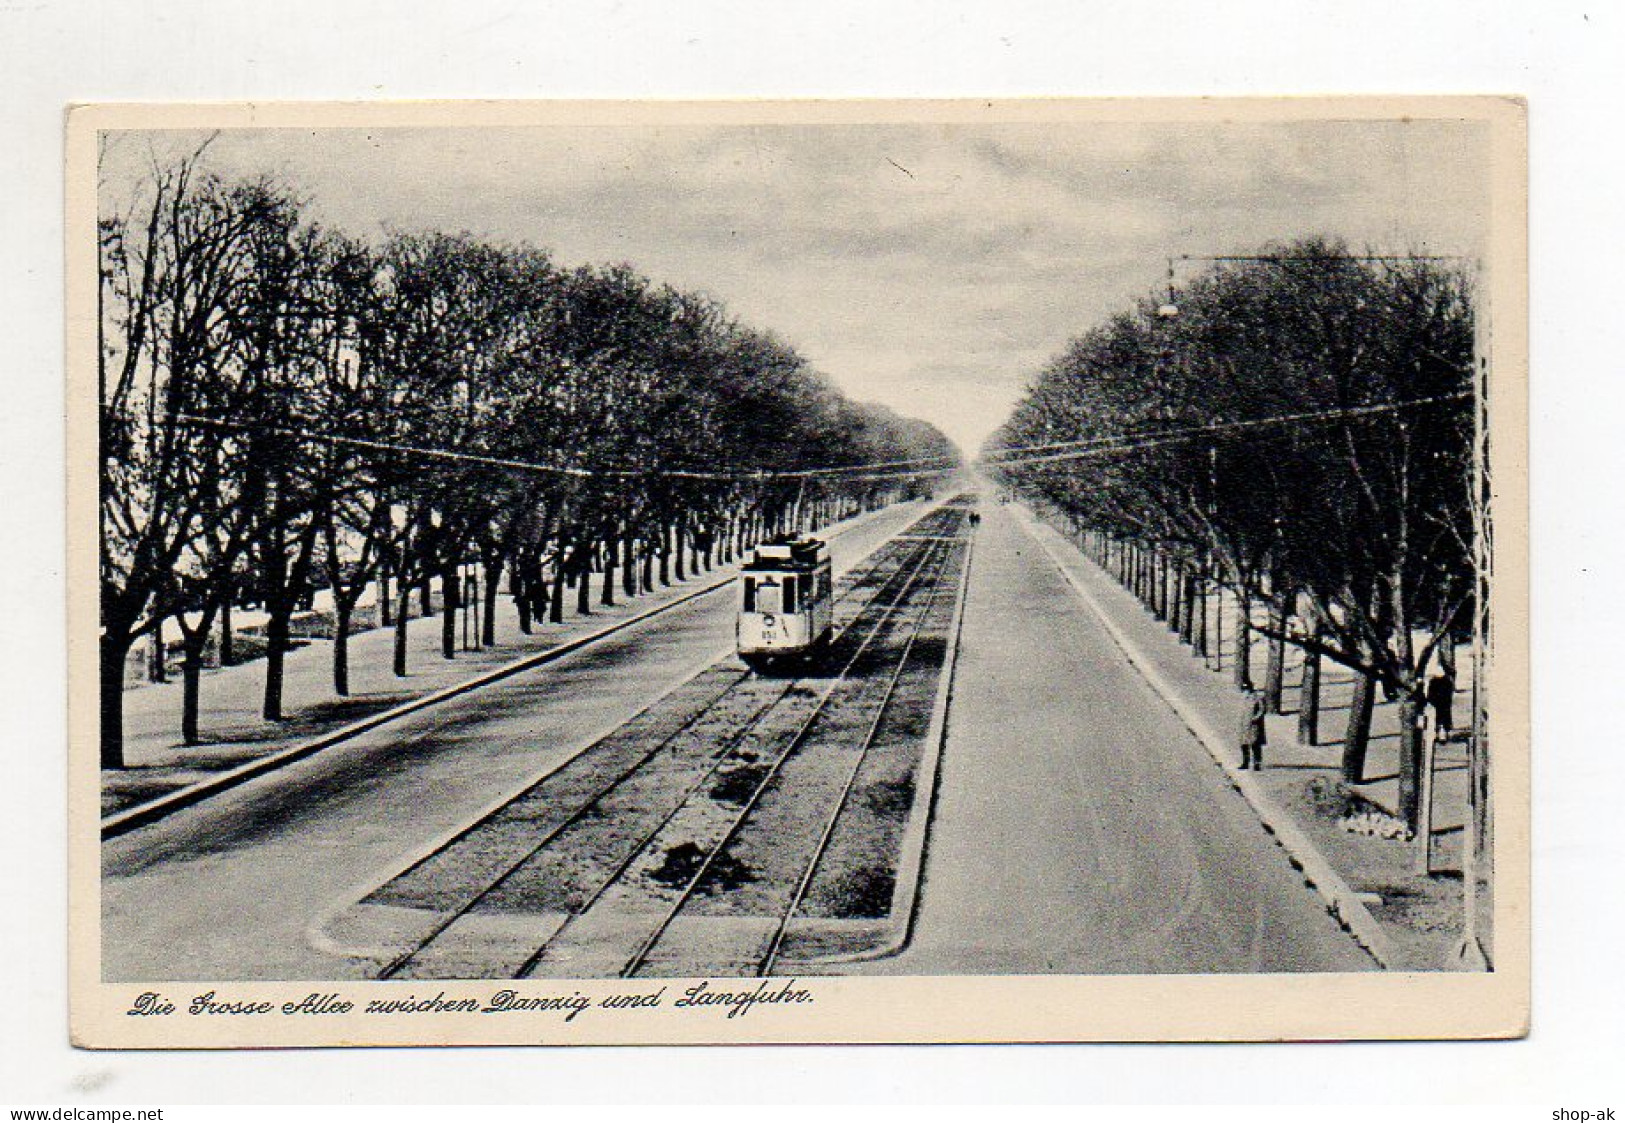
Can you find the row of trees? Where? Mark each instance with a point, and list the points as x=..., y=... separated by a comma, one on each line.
x=275, y=399
x=1349, y=526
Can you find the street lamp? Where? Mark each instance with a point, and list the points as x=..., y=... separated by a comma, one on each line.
x=1170, y=308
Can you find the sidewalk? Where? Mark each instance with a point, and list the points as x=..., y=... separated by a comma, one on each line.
x=1420, y=914
x=233, y=733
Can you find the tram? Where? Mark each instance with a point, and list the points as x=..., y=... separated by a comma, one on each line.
x=786, y=602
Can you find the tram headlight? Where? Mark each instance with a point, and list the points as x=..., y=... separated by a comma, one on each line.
x=768, y=620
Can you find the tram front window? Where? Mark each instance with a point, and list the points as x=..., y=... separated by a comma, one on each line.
x=767, y=596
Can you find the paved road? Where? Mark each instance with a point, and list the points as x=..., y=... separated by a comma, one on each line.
x=1080, y=827
x=232, y=888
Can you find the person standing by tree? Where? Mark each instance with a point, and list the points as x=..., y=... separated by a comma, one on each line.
x=1441, y=693
x=1251, y=732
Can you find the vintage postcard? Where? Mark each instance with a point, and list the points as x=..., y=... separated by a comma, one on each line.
x=855, y=571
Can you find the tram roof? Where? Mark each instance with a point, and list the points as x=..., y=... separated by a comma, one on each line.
x=787, y=554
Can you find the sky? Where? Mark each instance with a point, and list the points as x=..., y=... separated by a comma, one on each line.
x=932, y=268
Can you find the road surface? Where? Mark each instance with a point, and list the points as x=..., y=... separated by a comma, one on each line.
x=1080, y=827
x=238, y=887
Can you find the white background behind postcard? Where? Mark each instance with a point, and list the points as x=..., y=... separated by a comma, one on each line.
x=1560, y=54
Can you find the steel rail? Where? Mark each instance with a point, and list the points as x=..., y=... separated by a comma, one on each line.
x=765, y=965
x=154, y=810
x=488, y=816
x=637, y=851
x=403, y=960
x=931, y=552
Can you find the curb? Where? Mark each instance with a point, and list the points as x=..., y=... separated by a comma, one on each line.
x=144, y=814
x=317, y=931
x=916, y=836
x=1341, y=901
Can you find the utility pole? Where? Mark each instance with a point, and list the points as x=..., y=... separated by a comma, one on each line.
x=1471, y=953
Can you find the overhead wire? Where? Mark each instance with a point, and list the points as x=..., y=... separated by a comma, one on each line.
x=561, y=469
x=1018, y=455
x=1010, y=457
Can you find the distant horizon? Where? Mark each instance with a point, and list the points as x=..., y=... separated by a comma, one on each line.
x=932, y=269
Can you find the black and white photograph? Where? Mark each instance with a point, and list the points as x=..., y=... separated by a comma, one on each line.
x=695, y=572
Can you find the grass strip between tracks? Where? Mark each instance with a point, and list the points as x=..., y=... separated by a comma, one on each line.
x=897, y=928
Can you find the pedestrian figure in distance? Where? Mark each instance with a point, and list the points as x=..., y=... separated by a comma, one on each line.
x=1252, y=734
x=1441, y=694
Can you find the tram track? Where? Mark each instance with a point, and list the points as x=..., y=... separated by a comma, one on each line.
x=150, y=811
x=764, y=963
x=562, y=847
x=717, y=850
x=804, y=883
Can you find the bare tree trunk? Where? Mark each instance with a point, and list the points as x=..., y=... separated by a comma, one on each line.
x=538, y=590
x=403, y=616
x=523, y=595
x=157, y=657
x=344, y=600
x=278, y=608
x=1177, y=608
x=384, y=606
x=582, y=571
x=488, y=625
x=607, y=596
x=276, y=648
x=1200, y=598
x=114, y=653
x=1411, y=783
x=629, y=564
x=191, y=680
x=1187, y=611
x=341, y=644
x=555, y=613
x=1244, y=638
x=1357, y=736
x=1309, y=691
x=449, y=594
x=227, y=655
x=1275, y=665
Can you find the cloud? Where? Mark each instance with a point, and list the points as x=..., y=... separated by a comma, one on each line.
x=933, y=268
